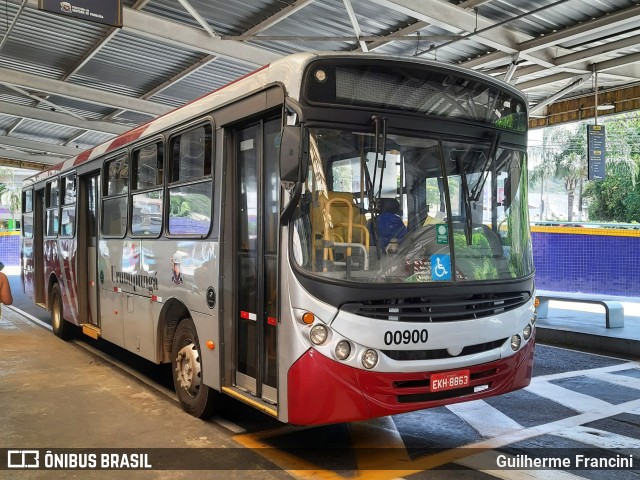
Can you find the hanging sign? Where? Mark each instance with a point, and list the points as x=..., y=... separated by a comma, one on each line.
x=596, y=152
x=108, y=12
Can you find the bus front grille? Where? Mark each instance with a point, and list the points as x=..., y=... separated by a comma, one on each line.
x=442, y=353
x=422, y=309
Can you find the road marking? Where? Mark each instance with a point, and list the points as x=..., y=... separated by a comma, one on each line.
x=622, y=380
x=599, y=438
x=626, y=365
x=237, y=429
x=574, y=400
x=485, y=419
x=30, y=317
x=393, y=469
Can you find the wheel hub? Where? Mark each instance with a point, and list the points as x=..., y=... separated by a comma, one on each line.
x=188, y=368
x=55, y=316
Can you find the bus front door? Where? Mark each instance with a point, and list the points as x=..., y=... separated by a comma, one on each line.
x=256, y=232
x=87, y=251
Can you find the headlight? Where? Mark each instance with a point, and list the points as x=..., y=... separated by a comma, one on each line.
x=515, y=342
x=318, y=334
x=369, y=359
x=343, y=350
x=526, y=333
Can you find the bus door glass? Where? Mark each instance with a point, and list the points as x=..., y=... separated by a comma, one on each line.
x=38, y=246
x=257, y=311
x=91, y=192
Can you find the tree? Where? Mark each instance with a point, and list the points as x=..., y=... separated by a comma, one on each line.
x=617, y=197
x=10, y=193
x=563, y=157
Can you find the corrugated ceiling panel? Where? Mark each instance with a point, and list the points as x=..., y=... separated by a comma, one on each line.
x=224, y=17
x=44, y=132
x=43, y=39
x=84, y=109
x=6, y=122
x=132, y=65
x=90, y=139
x=214, y=75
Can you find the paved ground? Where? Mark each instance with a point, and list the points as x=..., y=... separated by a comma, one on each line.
x=60, y=395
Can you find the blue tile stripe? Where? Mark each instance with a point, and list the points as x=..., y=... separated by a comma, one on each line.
x=587, y=262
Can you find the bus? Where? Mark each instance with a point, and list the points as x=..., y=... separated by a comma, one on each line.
x=331, y=238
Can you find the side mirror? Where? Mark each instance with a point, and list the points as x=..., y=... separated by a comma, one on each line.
x=290, y=153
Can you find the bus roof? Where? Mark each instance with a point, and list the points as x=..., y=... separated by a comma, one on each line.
x=285, y=71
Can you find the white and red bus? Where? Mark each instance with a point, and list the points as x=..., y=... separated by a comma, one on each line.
x=331, y=238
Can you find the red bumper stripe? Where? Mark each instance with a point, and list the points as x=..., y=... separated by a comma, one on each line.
x=322, y=390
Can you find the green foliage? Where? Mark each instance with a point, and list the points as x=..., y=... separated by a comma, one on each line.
x=617, y=197
x=190, y=205
x=479, y=252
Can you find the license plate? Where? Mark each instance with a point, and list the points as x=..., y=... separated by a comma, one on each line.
x=449, y=380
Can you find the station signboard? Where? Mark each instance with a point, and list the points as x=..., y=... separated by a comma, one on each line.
x=596, y=152
x=108, y=12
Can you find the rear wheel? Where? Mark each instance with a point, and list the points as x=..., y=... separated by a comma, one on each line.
x=194, y=396
x=61, y=327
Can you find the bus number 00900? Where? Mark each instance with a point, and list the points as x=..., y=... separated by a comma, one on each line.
x=406, y=337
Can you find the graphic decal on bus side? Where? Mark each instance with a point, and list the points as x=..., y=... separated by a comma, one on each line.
x=134, y=279
x=176, y=275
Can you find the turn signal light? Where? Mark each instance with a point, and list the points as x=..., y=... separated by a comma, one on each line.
x=536, y=302
x=210, y=344
x=308, y=318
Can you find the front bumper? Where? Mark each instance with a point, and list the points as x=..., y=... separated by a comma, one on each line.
x=322, y=390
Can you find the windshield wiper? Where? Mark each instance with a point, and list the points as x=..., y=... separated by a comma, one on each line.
x=380, y=125
x=468, y=222
x=484, y=172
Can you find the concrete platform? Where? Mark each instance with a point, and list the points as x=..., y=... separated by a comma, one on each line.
x=582, y=325
x=55, y=394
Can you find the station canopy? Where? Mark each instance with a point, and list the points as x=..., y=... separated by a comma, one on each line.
x=68, y=84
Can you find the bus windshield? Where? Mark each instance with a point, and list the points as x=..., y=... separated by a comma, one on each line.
x=402, y=209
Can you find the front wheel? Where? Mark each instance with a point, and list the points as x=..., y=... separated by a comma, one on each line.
x=61, y=327
x=194, y=396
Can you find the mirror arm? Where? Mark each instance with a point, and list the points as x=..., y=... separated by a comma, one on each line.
x=287, y=213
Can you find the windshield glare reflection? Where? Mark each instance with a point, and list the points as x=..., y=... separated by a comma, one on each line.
x=419, y=210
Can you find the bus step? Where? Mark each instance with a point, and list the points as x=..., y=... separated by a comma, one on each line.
x=90, y=330
x=251, y=400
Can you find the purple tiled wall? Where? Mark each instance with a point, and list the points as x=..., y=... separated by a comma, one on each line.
x=10, y=248
x=603, y=262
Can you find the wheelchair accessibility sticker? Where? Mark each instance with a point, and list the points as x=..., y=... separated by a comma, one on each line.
x=441, y=267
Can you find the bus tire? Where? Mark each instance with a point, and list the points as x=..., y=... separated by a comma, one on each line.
x=195, y=397
x=61, y=328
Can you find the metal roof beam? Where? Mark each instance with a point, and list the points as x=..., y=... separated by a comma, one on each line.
x=173, y=33
x=80, y=92
x=43, y=100
x=451, y=17
x=415, y=27
x=586, y=28
x=13, y=23
x=58, y=118
x=538, y=82
x=179, y=76
x=559, y=94
x=601, y=24
x=355, y=24
x=198, y=18
x=39, y=146
x=156, y=28
x=280, y=15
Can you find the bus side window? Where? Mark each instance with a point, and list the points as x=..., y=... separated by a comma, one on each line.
x=190, y=182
